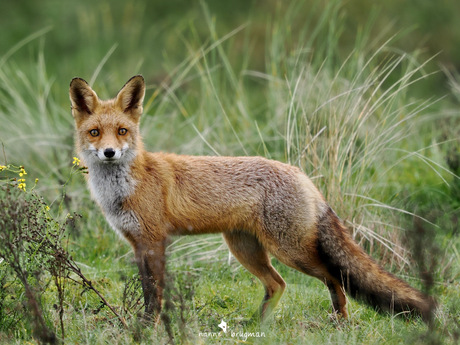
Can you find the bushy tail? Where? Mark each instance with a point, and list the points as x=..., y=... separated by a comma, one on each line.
x=362, y=277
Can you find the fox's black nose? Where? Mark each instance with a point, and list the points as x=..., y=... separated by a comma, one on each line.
x=109, y=153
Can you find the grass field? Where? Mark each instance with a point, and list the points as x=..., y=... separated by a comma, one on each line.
x=370, y=116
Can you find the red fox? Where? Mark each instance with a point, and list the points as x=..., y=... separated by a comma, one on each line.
x=262, y=207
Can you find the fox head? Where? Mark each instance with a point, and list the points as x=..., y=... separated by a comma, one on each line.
x=107, y=131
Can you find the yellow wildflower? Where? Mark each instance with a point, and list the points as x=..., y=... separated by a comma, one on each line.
x=22, y=171
x=76, y=161
x=2, y=167
x=47, y=208
x=22, y=186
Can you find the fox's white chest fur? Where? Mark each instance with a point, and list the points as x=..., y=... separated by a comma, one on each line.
x=110, y=185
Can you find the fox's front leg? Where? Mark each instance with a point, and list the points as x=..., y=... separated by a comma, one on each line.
x=150, y=258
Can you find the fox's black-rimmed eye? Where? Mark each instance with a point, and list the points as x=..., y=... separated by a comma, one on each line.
x=122, y=131
x=94, y=132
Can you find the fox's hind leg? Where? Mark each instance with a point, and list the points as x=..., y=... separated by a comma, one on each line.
x=339, y=300
x=310, y=263
x=253, y=256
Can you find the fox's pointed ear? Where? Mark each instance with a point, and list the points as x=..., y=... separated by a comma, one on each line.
x=131, y=96
x=83, y=99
